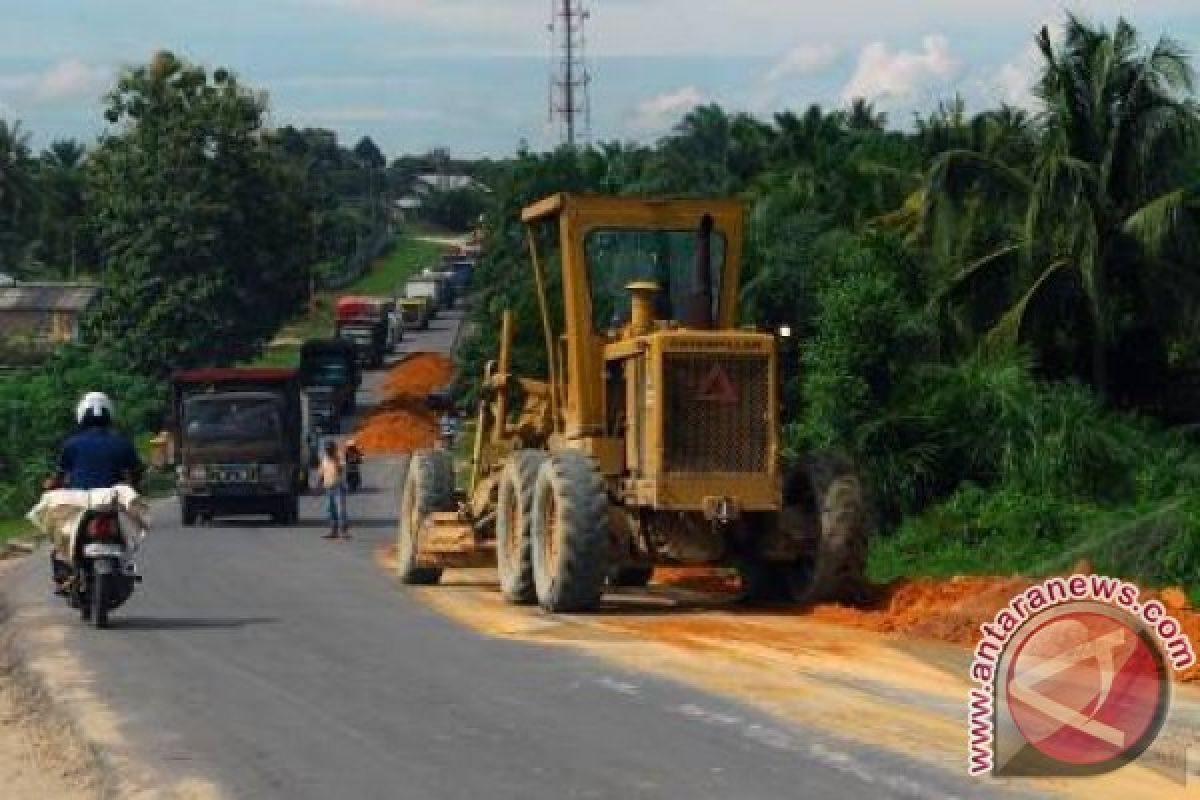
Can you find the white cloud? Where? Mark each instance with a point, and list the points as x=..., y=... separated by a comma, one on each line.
x=660, y=112
x=1014, y=81
x=68, y=79
x=806, y=59
x=882, y=74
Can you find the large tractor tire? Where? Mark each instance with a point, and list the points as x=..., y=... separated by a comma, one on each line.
x=428, y=487
x=514, y=513
x=826, y=509
x=570, y=533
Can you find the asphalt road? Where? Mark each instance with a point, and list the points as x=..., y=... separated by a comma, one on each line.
x=281, y=665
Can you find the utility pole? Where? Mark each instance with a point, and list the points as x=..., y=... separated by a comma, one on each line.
x=570, y=103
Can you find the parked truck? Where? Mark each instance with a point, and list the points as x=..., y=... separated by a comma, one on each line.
x=332, y=363
x=429, y=287
x=241, y=442
x=414, y=312
x=446, y=280
x=365, y=322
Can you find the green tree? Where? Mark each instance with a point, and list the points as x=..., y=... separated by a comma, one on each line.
x=199, y=219
x=1103, y=218
x=17, y=194
x=62, y=230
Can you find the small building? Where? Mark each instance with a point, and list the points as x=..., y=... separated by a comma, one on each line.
x=44, y=313
x=425, y=186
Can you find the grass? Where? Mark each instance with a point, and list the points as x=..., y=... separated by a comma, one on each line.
x=15, y=529
x=407, y=257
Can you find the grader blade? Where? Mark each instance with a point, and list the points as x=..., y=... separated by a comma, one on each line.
x=446, y=540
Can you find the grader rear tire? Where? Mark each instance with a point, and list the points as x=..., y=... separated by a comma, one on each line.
x=428, y=487
x=514, y=512
x=570, y=533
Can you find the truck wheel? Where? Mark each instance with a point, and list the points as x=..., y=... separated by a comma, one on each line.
x=187, y=512
x=428, y=487
x=514, y=558
x=637, y=577
x=826, y=508
x=570, y=533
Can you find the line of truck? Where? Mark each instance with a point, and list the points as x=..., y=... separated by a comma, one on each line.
x=244, y=440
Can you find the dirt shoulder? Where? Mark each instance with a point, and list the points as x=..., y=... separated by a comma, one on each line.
x=58, y=739
x=42, y=754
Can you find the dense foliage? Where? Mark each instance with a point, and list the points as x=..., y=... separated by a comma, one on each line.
x=994, y=313
x=202, y=228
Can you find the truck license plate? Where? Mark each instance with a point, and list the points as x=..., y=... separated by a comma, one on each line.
x=232, y=475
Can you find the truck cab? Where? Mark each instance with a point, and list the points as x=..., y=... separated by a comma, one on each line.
x=241, y=443
x=332, y=364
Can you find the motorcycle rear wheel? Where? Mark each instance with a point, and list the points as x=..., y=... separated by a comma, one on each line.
x=100, y=592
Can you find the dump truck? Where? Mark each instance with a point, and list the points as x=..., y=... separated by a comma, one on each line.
x=428, y=287
x=241, y=440
x=333, y=364
x=445, y=279
x=652, y=438
x=414, y=312
x=364, y=322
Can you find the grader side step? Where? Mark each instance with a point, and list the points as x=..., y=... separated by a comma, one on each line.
x=447, y=541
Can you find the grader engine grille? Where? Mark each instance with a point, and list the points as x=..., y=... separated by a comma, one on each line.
x=715, y=413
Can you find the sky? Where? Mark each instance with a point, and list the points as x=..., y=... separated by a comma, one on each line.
x=472, y=75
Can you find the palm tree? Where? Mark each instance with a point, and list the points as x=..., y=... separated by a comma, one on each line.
x=16, y=193
x=15, y=178
x=60, y=186
x=1101, y=217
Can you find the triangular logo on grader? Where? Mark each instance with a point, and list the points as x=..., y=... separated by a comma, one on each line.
x=717, y=388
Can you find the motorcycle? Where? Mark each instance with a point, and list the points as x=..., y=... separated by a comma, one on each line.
x=97, y=534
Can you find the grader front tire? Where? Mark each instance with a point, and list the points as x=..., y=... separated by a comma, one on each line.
x=570, y=534
x=514, y=513
x=826, y=509
x=835, y=499
x=428, y=487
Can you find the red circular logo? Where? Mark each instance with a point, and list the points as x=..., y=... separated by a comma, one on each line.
x=1085, y=688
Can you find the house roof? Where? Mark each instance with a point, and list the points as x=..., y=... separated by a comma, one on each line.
x=69, y=297
x=447, y=183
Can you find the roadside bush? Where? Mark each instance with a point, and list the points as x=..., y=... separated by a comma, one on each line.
x=37, y=410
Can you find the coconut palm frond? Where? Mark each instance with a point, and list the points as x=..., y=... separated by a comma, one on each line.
x=1007, y=332
x=1167, y=221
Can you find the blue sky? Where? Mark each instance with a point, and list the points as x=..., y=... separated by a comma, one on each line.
x=471, y=75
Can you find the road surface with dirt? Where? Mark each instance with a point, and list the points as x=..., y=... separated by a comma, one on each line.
x=265, y=662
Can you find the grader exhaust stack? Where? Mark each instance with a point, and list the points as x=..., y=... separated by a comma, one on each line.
x=653, y=441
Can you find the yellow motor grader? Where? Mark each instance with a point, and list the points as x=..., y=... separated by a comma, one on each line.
x=652, y=440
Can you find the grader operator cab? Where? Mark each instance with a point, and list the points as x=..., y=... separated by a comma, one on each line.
x=651, y=440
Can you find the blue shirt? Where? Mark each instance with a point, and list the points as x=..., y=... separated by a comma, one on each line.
x=98, y=458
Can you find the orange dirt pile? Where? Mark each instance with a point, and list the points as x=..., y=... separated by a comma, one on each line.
x=401, y=422
x=952, y=610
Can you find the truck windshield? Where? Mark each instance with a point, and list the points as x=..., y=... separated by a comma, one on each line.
x=328, y=373
x=224, y=419
x=616, y=258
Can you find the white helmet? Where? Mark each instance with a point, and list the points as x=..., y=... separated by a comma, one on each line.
x=95, y=403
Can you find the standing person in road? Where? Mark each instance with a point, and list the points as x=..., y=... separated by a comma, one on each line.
x=332, y=477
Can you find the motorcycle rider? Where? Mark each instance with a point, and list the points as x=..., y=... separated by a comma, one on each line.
x=94, y=457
